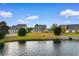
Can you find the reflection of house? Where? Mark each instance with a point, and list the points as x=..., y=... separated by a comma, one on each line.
x=39, y=28
x=70, y=28
x=14, y=28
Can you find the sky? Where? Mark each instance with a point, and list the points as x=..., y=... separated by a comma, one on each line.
x=39, y=13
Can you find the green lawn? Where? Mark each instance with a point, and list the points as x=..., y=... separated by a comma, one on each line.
x=36, y=36
x=71, y=34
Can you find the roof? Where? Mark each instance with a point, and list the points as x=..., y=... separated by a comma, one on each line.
x=72, y=26
x=40, y=25
x=21, y=24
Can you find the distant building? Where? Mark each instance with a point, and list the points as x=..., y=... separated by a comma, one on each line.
x=70, y=28
x=14, y=28
x=39, y=28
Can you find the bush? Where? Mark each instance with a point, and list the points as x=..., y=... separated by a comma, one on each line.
x=2, y=35
x=57, y=31
x=22, y=32
x=57, y=41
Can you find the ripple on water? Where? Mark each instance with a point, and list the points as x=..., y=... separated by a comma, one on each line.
x=41, y=48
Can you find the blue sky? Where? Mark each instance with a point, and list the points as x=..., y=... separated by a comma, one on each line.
x=39, y=13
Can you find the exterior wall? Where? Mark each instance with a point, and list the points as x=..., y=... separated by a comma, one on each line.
x=64, y=28
x=14, y=29
x=70, y=28
x=39, y=28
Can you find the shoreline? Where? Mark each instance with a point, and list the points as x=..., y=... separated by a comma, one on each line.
x=14, y=40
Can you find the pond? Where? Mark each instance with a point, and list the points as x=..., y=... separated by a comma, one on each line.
x=41, y=48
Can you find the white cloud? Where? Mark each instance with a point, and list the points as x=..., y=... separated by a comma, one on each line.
x=69, y=12
x=32, y=17
x=28, y=19
x=21, y=21
x=5, y=14
x=67, y=22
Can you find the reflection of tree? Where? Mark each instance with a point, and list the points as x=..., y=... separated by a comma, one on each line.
x=1, y=52
x=57, y=49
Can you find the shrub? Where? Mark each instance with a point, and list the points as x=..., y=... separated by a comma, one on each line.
x=57, y=41
x=22, y=32
x=2, y=35
x=57, y=31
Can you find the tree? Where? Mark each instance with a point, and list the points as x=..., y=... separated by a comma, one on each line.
x=29, y=29
x=53, y=26
x=22, y=32
x=3, y=23
x=3, y=29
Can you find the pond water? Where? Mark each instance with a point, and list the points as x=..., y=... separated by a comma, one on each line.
x=41, y=48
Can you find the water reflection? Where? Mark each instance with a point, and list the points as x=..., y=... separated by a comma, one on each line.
x=11, y=49
x=1, y=52
x=57, y=49
x=41, y=48
x=22, y=48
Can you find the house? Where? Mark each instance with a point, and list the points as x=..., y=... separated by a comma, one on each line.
x=70, y=28
x=39, y=28
x=14, y=28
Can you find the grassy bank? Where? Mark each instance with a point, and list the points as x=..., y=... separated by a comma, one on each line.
x=36, y=36
x=71, y=34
